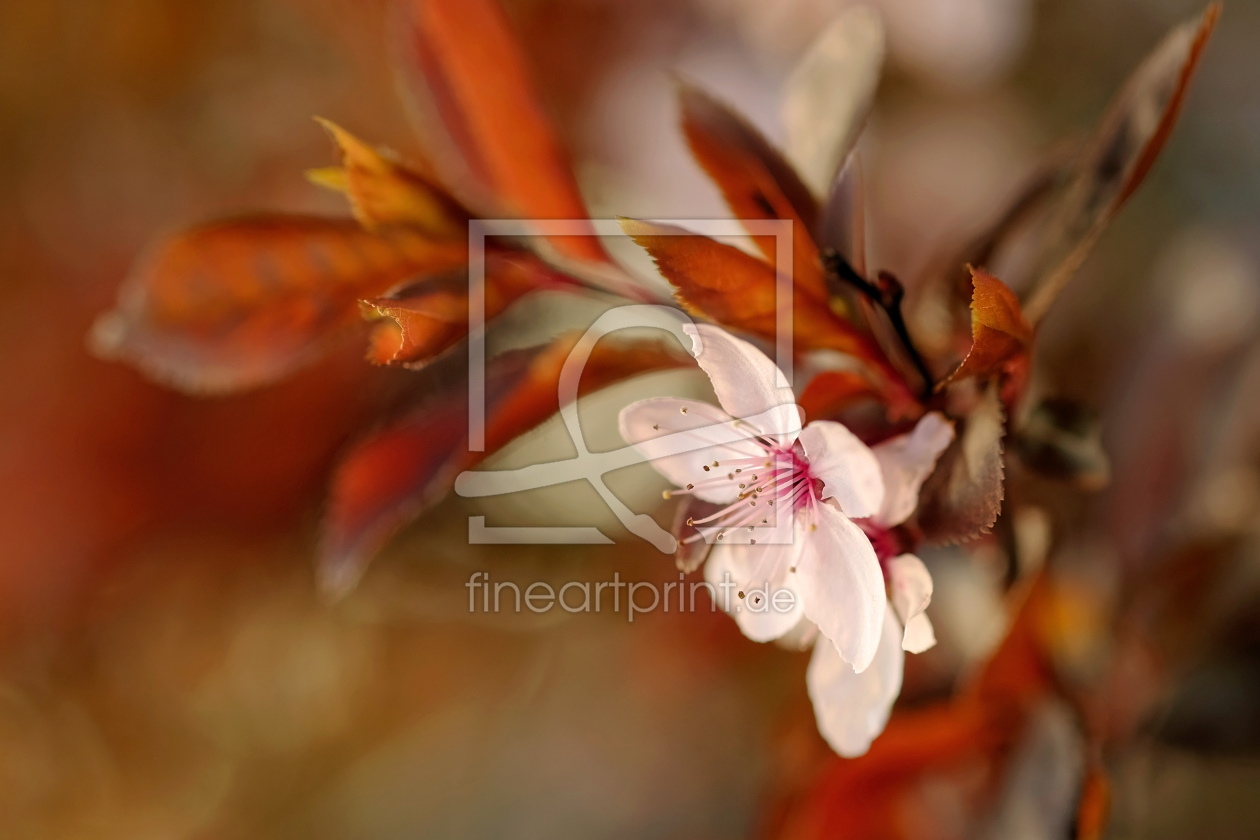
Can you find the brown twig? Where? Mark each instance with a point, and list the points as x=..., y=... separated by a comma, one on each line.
x=887, y=293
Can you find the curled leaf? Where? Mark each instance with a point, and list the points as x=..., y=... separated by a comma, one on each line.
x=384, y=193
x=829, y=94
x=422, y=320
x=755, y=180
x=239, y=303
x=962, y=497
x=1000, y=334
x=482, y=121
x=1119, y=155
x=392, y=476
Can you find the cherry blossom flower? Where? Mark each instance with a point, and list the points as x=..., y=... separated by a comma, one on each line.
x=807, y=511
x=853, y=708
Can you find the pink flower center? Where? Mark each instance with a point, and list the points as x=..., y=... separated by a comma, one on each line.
x=772, y=484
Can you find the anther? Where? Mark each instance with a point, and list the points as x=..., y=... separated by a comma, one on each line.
x=665, y=494
x=689, y=486
x=683, y=409
x=691, y=520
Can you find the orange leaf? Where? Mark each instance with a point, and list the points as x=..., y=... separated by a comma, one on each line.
x=1095, y=805
x=483, y=122
x=1120, y=154
x=397, y=473
x=235, y=304
x=833, y=391
x=383, y=193
x=1000, y=335
x=425, y=319
x=739, y=291
x=755, y=180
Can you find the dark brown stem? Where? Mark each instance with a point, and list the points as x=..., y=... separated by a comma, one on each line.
x=887, y=293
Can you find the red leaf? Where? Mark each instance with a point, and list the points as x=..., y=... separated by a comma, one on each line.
x=394, y=475
x=755, y=180
x=1122, y=151
x=482, y=119
x=235, y=304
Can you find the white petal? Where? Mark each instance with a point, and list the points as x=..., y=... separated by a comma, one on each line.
x=759, y=571
x=846, y=466
x=843, y=586
x=829, y=93
x=906, y=461
x=919, y=635
x=705, y=426
x=852, y=709
x=746, y=382
x=911, y=594
x=801, y=637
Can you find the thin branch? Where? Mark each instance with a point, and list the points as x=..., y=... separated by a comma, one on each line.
x=887, y=293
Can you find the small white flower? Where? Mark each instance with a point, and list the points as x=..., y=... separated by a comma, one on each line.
x=789, y=499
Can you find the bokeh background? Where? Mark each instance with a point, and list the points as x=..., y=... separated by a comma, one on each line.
x=167, y=668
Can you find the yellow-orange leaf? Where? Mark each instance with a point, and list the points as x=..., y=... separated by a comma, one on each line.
x=238, y=303
x=383, y=193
